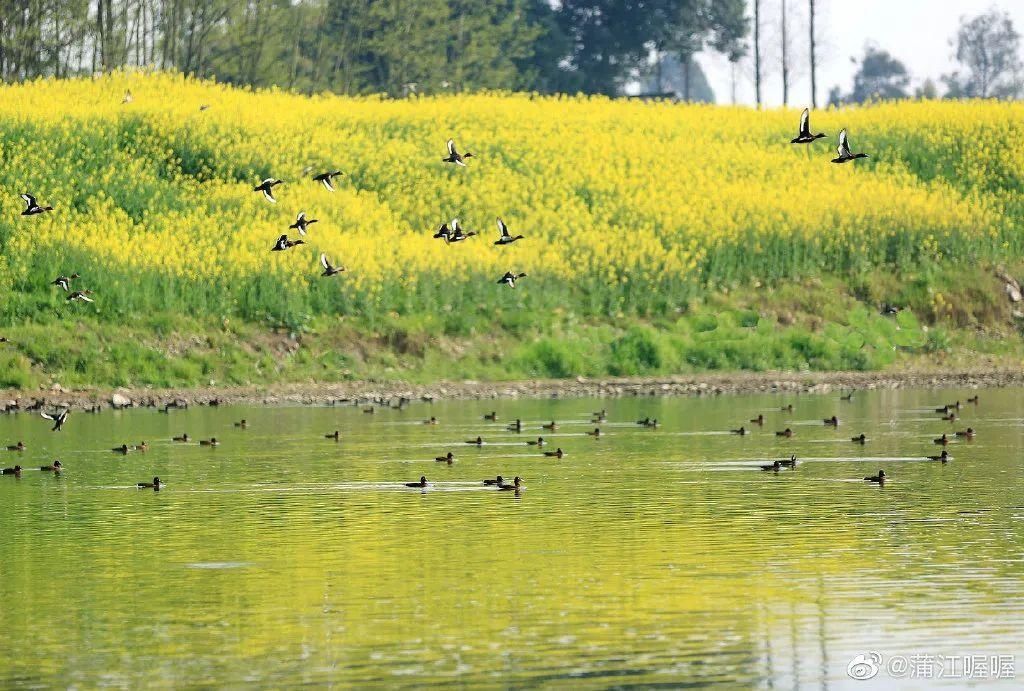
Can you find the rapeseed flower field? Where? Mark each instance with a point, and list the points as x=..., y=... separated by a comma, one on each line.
x=628, y=208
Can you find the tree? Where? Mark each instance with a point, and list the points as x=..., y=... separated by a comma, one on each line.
x=880, y=76
x=814, y=59
x=686, y=27
x=927, y=90
x=785, y=57
x=608, y=40
x=988, y=50
x=757, y=51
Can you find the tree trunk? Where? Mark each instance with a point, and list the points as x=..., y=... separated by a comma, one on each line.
x=757, y=52
x=814, y=58
x=785, y=58
x=686, y=78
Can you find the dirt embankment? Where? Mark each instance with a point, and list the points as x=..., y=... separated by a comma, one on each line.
x=326, y=394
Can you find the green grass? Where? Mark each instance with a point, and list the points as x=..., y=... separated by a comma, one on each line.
x=954, y=319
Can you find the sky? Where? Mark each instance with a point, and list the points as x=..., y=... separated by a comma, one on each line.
x=917, y=32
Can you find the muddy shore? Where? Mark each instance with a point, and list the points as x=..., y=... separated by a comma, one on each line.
x=356, y=392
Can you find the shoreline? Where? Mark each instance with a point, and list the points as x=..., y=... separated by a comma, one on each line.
x=605, y=387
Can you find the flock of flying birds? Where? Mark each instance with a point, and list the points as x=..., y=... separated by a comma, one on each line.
x=449, y=233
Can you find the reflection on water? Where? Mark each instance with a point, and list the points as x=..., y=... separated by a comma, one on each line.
x=644, y=556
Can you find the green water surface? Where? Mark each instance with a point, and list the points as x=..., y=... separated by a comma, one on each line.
x=643, y=557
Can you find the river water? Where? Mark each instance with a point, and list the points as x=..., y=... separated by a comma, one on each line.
x=642, y=557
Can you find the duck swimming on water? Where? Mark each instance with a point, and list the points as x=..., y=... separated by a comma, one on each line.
x=55, y=467
x=557, y=453
x=421, y=483
x=516, y=485
x=496, y=481
x=16, y=470
x=155, y=484
x=880, y=478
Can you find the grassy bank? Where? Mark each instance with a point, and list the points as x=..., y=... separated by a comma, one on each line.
x=660, y=238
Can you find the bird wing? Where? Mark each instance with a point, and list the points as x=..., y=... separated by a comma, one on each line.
x=327, y=183
x=455, y=226
x=324, y=263
x=451, y=147
x=29, y=200
x=301, y=217
x=268, y=195
x=805, y=122
x=47, y=416
x=85, y=297
x=503, y=228
x=844, y=144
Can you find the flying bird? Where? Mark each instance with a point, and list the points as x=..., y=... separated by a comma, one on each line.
x=845, y=154
x=64, y=281
x=506, y=238
x=31, y=207
x=454, y=156
x=284, y=243
x=457, y=234
x=325, y=179
x=58, y=419
x=510, y=279
x=266, y=187
x=80, y=295
x=443, y=233
x=805, y=136
x=301, y=223
x=329, y=270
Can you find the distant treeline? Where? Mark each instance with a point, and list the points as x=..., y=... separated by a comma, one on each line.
x=373, y=46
